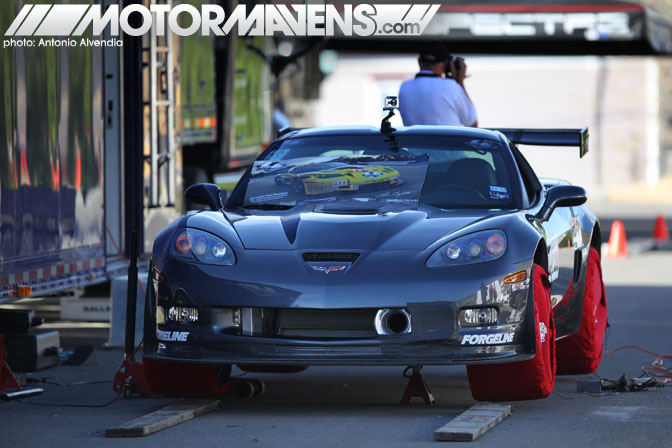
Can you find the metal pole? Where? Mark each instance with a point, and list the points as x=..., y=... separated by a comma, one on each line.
x=132, y=294
x=133, y=129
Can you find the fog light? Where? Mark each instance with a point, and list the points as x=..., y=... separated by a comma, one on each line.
x=182, y=314
x=160, y=315
x=226, y=317
x=472, y=317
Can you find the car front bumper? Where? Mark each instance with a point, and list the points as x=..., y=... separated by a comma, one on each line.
x=243, y=350
x=437, y=335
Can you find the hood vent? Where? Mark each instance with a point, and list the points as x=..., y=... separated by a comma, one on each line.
x=348, y=257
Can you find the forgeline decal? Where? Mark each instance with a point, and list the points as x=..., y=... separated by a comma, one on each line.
x=483, y=339
x=172, y=336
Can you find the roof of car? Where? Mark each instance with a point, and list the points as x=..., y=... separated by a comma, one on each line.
x=401, y=130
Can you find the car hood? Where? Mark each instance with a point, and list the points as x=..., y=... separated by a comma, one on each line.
x=407, y=230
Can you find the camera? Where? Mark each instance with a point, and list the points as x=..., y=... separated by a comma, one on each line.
x=456, y=63
x=391, y=103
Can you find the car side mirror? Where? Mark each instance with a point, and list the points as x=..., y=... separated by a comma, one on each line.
x=561, y=196
x=208, y=194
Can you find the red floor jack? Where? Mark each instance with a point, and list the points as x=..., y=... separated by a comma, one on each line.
x=417, y=387
x=9, y=387
x=130, y=378
x=153, y=377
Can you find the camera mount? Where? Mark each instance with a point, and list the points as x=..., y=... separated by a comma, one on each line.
x=390, y=104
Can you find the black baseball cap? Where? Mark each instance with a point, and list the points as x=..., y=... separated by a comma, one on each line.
x=434, y=51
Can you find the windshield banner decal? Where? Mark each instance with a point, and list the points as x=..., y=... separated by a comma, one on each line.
x=386, y=179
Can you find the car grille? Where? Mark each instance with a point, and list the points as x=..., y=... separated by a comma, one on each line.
x=326, y=324
x=330, y=256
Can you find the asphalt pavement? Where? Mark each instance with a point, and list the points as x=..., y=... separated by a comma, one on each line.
x=358, y=407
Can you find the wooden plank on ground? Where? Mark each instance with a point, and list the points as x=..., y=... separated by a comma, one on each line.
x=472, y=423
x=166, y=417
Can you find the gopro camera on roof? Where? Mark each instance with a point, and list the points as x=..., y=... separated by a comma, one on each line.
x=391, y=103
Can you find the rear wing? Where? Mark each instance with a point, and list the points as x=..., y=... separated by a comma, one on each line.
x=549, y=137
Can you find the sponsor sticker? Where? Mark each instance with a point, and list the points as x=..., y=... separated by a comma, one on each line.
x=487, y=339
x=268, y=197
x=271, y=166
x=172, y=336
x=320, y=190
x=543, y=331
x=481, y=144
x=497, y=192
x=373, y=174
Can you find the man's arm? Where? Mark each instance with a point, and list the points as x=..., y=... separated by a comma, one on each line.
x=460, y=73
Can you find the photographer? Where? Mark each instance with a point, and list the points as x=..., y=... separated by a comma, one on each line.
x=433, y=99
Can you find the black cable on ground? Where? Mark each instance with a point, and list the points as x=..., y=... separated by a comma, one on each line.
x=72, y=405
x=45, y=380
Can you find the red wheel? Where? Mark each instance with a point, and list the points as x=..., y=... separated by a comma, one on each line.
x=582, y=352
x=183, y=379
x=524, y=380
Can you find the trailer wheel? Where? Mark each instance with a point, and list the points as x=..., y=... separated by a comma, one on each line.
x=524, y=380
x=582, y=352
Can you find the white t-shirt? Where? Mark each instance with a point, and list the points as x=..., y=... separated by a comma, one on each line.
x=433, y=100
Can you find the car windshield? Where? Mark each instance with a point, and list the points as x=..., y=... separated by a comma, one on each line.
x=404, y=170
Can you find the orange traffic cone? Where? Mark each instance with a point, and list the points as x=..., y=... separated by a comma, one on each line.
x=618, y=246
x=660, y=232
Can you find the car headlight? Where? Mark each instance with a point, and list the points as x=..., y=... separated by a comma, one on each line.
x=474, y=248
x=202, y=247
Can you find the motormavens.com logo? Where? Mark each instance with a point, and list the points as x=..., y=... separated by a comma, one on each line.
x=262, y=20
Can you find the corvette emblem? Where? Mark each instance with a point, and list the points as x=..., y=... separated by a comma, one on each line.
x=328, y=269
